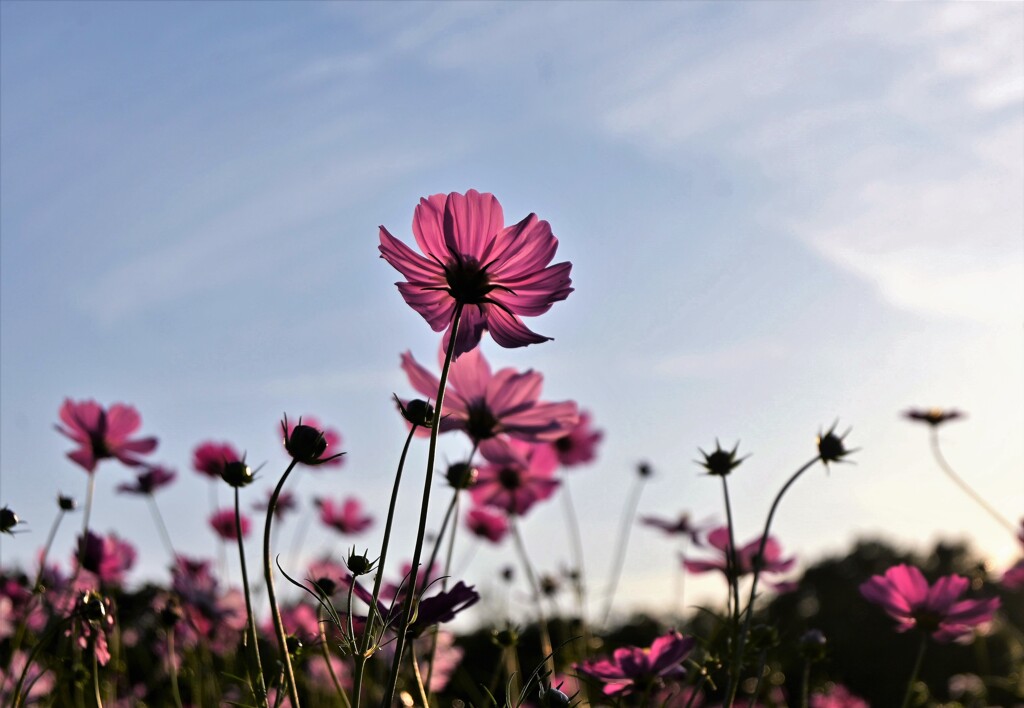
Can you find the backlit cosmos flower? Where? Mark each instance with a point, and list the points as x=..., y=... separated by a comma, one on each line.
x=102, y=434
x=497, y=273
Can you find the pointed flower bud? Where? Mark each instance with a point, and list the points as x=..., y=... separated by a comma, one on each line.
x=720, y=462
x=417, y=411
x=237, y=473
x=306, y=444
x=812, y=645
x=461, y=475
x=831, y=447
x=8, y=520
x=66, y=503
x=359, y=563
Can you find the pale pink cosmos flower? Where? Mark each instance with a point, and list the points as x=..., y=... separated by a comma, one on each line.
x=148, y=481
x=578, y=445
x=286, y=503
x=331, y=436
x=1013, y=577
x=745, y=556
x=486, y=524
x=223, y=524
x=106, y=557
x=209, y=458
x=836, y=695
x=517, y=476
x=347, y=517
x=103, y=434
x=471, y=258
x=484, y=404
x=639, y=670
x=683, y=525
x=937, y=610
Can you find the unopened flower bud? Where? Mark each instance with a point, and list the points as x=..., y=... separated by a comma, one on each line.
x=507, y=637
x=831, y=447
x=812, y=645
x=720, y=462
x=644, y=469
x=8, y=520
x=359, y=563
x=92, y=608
x=237, y=473
x=305, y=444
x=66, y=503
x=461, y=475
x=551, y=697
x=417, y=411
x=294, y=645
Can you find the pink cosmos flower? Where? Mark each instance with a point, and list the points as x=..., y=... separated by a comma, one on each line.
x=486, y=524
x=745, y=556
x=107, y=557
x=637, y=670
x=836, y=695
x=518, y=475
x=471, y=258
x=937, y=610
x=682, y=526
x=209, y=458
x=103, y=434
x=331, y=436
x=149, y=480
x=579, y=444
x=485, y=405
x=211, y=615
x=346, y=517
x=285, y=503
x=1013, y=578
x=223, y=524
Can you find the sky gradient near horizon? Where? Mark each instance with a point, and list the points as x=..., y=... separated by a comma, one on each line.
x=778, y=214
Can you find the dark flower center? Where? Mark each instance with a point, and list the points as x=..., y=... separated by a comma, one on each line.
x=468, y=283
x=563, y=444
x=481, y=423
x=510, y=479
x=927, y=620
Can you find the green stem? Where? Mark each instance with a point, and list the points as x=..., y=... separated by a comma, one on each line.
x=361, y=655
x=96, y=679
x=407, y=614
x=913, y=674
x=419, y=677
x=172, y=669
x=254, y=647
x=327, y=660
x=629, y=513
x=531, y=577
x=964, y=487
x=805, y=685
x=268, y=575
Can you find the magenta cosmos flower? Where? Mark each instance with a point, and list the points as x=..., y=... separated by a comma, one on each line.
x=107, y=557
x=719, y=540
x=681, y=526
x=331, y=436
x=579, y=444
x=517, y=476
x=485, y=404
x=487, y=524
x=471, y=258
x=346, y=517
x=148, y=481
x=936, y=610
x=223, y=524
x=210, y=458
x=638, y=670
x=103, y=434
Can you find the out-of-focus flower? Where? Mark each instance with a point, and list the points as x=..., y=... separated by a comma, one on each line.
x=937, y=610
x=223, y=524
x=932, y=416
x=93, y=615
x=471, y=258
x=447, y=657
x=1013, y=578
x=39, y=681
x=443, y=607
x=209, y=614
x=107, y=557
x=285, y=503
x=579, y=444
x=486, y=524
x=209, y=458
x=484, y=404
x=720, y=462
x=103, y=434
x=682, y=526
x=638, y=670
x=517, y=476
x=836, y=695
x=148, y=481
x=347, y=517
x=299, y=620
x=746, y=556
x=331, y=455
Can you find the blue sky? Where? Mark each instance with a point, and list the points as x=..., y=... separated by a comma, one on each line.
x=779, y=214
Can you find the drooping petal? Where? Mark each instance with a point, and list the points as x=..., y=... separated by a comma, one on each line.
x=435, y=306
x=409, y=263
x=425, y=383
x=509, y=331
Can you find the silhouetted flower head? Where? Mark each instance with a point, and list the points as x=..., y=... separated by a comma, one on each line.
x=66, y=503
x=485, y=405
x=103, y=434
x=471, y=258
x=308, y=445
x=644, y=470
x=720, y=462
x=417, y=411
x=633, y=670
x=550, y=697
x=359, y=563
x=238, y=474
x=461, y=475
x=223, y=524
x=210, y=458
x=831, y=447
x=813, y=645
x=932, y=416
x=93, y=615
x=148, y=481
x=579, y=444
x=937, y=610
x=8, y=520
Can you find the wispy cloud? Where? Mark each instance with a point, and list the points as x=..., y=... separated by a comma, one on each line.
x=734, y=359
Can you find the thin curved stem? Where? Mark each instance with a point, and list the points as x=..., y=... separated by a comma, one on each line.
x=419, y=677
x=326, y=653
x=579, y=572
x=161, y=526
x=916, y=670
x=629, y=513
x=733, y=579
x=531, y=577
x=805, y=685
x=96, y=680
x=453, y=510
x=268, y=576
x=254, y=650
x=407, y=613
x=964, y=487
x=364, y=647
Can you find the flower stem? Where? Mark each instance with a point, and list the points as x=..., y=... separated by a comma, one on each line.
x=96, y=679
x=327, y=658
x=268, y=575
x=579, y=576
x=419, y=677
x=453, y=509
x=913, y=674
x=531, y=577
x=407, y=614
x=364, y=648
x=254, y=651
x=629, y=513
x=161, y=526
x=964, y=487
x=805, y=685
x=172, y=669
